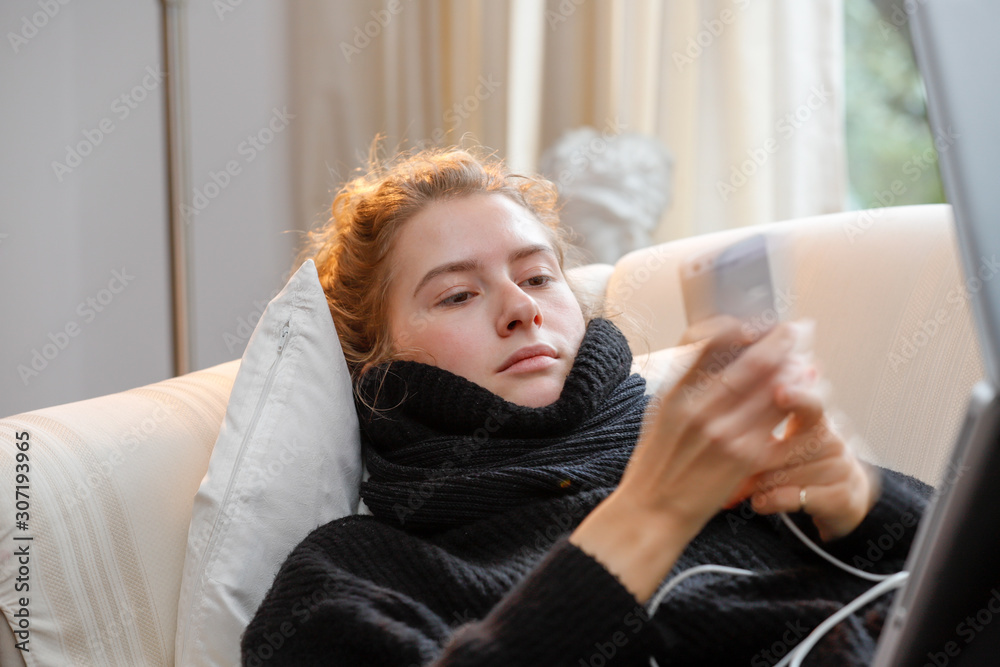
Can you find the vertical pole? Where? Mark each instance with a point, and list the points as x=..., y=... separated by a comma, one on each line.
x=178, y=172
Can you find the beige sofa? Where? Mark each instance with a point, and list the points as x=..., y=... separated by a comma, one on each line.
x=112, y=479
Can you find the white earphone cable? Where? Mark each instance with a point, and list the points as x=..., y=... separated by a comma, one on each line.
x=886, y=583
x=842, y=565
x=669, y=585
x=798, y=654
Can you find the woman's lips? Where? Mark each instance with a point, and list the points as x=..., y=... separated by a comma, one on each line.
x=528, y=359
x=535, y=363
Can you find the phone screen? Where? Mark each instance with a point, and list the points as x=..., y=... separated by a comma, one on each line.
x=734, y=281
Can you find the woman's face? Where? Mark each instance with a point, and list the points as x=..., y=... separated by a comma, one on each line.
x=477, y=290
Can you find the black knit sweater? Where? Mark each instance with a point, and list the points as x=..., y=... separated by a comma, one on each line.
x=466, y=560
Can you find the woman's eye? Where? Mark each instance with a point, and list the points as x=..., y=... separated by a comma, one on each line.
x=455, y=299
x=538, y=281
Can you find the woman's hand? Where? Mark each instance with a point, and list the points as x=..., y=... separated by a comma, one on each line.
x=714, y=429
x=840, y=489
x=702, y=440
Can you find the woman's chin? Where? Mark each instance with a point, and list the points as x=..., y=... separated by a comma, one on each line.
x=535, y=393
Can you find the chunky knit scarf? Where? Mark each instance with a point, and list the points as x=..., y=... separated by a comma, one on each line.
x=442, y=451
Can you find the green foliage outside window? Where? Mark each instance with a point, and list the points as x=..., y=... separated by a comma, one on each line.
x=891, y=154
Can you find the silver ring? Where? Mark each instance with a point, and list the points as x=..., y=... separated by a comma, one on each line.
x=802, y=499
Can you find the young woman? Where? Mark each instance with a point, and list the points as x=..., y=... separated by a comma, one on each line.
x=528, y=498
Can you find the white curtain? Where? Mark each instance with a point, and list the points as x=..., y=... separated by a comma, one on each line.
x=753, y=115
x=747, y=94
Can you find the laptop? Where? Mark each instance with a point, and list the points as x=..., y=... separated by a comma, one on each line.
x=948, y=612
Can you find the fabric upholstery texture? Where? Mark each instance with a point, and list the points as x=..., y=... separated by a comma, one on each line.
x=111, y=485
x=664, y=368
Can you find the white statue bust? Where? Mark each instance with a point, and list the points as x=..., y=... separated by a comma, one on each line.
x=613, y=189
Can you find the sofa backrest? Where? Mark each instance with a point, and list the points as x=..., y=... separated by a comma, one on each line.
x=894, y=332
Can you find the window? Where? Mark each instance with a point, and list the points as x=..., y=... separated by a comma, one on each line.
x=891, y=157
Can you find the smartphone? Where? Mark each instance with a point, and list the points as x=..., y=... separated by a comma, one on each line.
x=735, y=280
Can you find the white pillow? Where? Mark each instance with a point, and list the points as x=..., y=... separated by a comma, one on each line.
x=288, y=459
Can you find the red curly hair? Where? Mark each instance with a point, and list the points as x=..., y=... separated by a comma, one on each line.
x=352, y=249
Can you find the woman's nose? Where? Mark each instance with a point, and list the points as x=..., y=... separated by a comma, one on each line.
x=518, y=309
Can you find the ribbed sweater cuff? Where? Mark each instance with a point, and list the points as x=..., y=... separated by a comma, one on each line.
x=569, y=609
x=882, y=540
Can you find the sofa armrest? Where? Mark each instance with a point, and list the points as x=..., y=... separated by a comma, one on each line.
x=111, y=482
x=894, y=331
x=10, y=654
